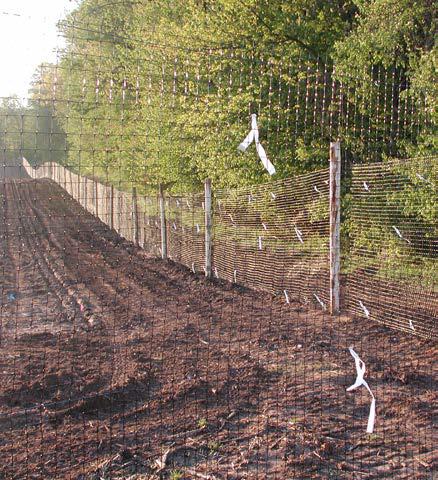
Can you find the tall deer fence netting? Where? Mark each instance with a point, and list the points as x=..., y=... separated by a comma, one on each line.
x=117, y=364
x=391, y=256
x=274, y=237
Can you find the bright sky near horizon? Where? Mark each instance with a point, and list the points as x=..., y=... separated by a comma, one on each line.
x=28, y=37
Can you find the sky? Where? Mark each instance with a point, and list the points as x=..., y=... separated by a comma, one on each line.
x=28, y=37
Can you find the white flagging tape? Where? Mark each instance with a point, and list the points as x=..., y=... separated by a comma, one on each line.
x=253, y=136
x=397, y=231
x=286, y=296
x=197, y=228
x=360, y=370
x=320, y=301
x=411, y=325
x=365, y=309
x=299, y=235
x=235, y=276
x=260, y=243
x=273, y=196
x=216, y=272
x=264, y=226
x=424, y=179
x=316, y=189
x=193, y=267
x=366, y=186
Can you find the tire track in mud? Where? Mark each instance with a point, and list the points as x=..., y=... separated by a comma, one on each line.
x=21, y=265
x=75, y=264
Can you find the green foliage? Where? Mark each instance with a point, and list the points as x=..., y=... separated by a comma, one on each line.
x=202, y=423
x=176, y=475
x=401, y=35
x=213, y=447
x=161, y=91
x=403, y=196
x=31, y=131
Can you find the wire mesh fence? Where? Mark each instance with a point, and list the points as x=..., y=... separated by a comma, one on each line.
x=391, y=267
x=85, y=112
x=117, y=365
x=186, y=230
x=274, y=237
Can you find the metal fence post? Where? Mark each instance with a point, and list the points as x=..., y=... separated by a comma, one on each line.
x=208, y=228
x=335, y=226
x=163, y=224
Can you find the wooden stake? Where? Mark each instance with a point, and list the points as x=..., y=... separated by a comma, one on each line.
x=111, y=207
x=135, y=215
x=335, y=226
x=163, y=225
x=208, y=228
x=96, y=199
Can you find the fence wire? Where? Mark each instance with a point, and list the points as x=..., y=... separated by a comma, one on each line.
x=186, y=231
x=85, y=111
x=275, y=237
x=392, y=265
x=117, y=365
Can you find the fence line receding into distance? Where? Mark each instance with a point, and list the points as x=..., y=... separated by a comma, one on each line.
x=276, y=236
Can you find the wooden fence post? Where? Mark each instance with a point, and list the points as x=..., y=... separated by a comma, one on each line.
x=84, y=192
x=208, y=228
x=335, y=226
x=135, y=215
x=163, y=224
x=96, y=198
x=111, y=207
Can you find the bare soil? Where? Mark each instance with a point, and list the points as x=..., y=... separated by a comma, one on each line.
x=115, y=365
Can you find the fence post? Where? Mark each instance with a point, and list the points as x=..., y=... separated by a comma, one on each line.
x=335, y=226
x=208, y=228
x=135, y=215
x=163, y=224
x=111, y=207
x=96, y=198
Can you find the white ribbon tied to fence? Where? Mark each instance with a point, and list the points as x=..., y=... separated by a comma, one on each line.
x=253, y=136
x=360, y=370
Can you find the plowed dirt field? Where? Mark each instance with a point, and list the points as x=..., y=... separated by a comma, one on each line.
x=114, y=365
